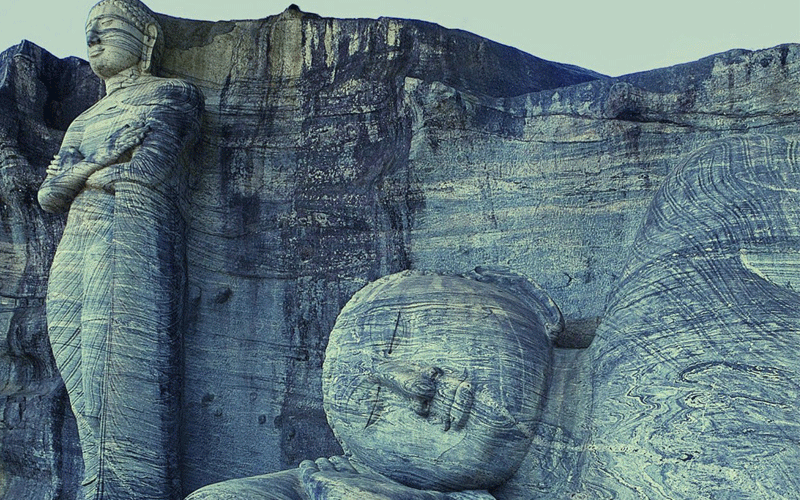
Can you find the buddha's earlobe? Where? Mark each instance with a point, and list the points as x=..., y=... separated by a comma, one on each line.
x=149, y=43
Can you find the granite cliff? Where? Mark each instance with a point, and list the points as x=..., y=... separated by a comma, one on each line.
x=335, y=152
x=39, y=96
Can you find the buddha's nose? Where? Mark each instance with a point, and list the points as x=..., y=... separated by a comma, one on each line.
x=92, y=38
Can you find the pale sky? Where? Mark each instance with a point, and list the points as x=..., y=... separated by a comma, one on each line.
x=613, y=37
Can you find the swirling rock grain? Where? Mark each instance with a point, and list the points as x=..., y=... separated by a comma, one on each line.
x=695, y=365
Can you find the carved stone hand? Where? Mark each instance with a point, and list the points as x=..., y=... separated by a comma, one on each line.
x=118, y=147
x=424, y=384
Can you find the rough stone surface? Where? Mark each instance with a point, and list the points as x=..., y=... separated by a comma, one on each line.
x=556, y=182
x=338, y=151
x=304, y=194
x=695, y=364
x=39, y=96
x=433, y=386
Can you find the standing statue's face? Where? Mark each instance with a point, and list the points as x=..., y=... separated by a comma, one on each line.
x=114, y=43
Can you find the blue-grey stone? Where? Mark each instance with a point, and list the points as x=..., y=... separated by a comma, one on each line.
x=335, y=152
x=695, y=364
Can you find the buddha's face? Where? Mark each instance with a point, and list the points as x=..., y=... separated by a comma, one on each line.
x=114, y=43
x=436, y=381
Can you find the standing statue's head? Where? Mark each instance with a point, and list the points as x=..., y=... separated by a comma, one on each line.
x=122, y=35
x=437, y=381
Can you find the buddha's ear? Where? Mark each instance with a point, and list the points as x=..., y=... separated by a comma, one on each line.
x=150, y=36
x=546, y=309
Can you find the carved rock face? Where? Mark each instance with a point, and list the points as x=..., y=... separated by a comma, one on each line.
x=436, y=381
x=115, y=44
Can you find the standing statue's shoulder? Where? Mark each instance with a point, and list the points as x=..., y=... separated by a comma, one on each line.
x=176, y=92
x=184, y=90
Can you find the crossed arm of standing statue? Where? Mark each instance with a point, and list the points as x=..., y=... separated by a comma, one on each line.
x=145, y=151
x=69, y=170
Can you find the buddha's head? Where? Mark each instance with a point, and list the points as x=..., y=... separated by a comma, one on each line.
x=122, y=35
x=437, y=381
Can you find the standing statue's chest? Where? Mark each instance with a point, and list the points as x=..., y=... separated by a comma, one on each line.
x=108, y=118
